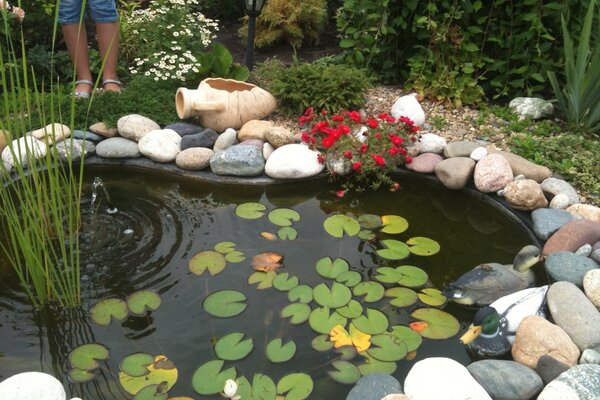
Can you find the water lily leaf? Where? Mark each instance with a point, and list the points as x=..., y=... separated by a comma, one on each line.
x=387, y=347
x=162, y=370
x=370, y=221
x=394, y=250
x=287, y=233
x=103, y=311
x=225, y=247
x=141, y=301
x=268, y=236
x=346, y=353
x=81, y=376
x=209, y=260
x=250, y=210
x=136, y=364
x=233, y=347
x=299, y=312
x=225, y=303
x=345, y=372
x=296, y=386
x=331, y=269
x=301, y=293
x=432, y=297
x=86, y=356
x=412, y=276
x=264, y=279
x=351, y=310
x=349, y=278
x=321, y=343
x=283, y=216
x=340, y=337
x=422, y=246
x=210, y=379
x=267, y=261
x=366, y=235
x=372, y=365
x=336, y=296
x=411, y=338
x=284, y=282
x=373, y=291
x=337, y=225
x=278, y=352
x=440, y=324
x=151, y=392
x=244, y=388
x=402, y=297
x=263, y=388
x=393, y=224
x=374, y=323
x=235, y=256
x=322, y=321
x=388, y=275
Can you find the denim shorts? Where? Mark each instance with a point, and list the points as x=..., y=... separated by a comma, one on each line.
x=98, y=11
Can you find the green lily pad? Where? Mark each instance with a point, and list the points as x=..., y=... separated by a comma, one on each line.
x=301, y=293
x=372, y=365
x=233, y=347
x=331, y=269
x=263, y=279
x=345, y=372
x=374, y=323
x=393, y=224
x=366, y=235
x=141, y=301
x=82, y=376
x=287, y=233
x=411, y=338
x=336, y=296
x=136, y=364
x=284, y=282
x=151, y=392
x=422, y=246
x=296, y=386
x=250, y=210
x=225, y=247
x=322, y=321
x=394, y=250
x=346, y=353
x=244, y=388
x=387, y=347
x=210, y=378
x=283, y=216
x=337, y=225
x=440, y=324
x=388, y=275
x=161, y=372
x=351, y=310
x=349, y=278
x=86, y=357
x=235, y=257
x=209, y=260
x=322, y=343
x=412, y=276
x=432, y=297
x=278, y=352
x=263, y=388
x=370, y=221
x=225, y=303
x=103, y=311
x=372, y=291
x=402, y=297
x=299, y=312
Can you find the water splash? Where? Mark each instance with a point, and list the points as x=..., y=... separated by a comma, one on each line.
x=96, y=185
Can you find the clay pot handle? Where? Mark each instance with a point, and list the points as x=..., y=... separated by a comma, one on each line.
x=209, y=106
x=188, y=103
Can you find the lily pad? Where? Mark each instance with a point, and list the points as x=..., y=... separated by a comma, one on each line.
x=284, y=282
x=331, y=269
x=393, y=224
x=287, y=233
x=225, y=247
x=336, y=296
x=394, y=250
x=299, y=312
x=321, y=343
x=349, y=278
x=103, y=311
x=233, y=347
x=225, y=303
x=387, y=347
x=337, y=225
x=301, y=293
x=412, y=276
x=370, y=221
x=296, y=386
x=264, y=279
x=372, y=365
x=162, y=370
x=141, y=301
x=86, y=357
x=423, y=246
x=345, y=372
x=278, y=352
x=212, y=261
x=263, y=388
x=347, y=353
x=402, y=297
x=440, y=324
x=81, y=376
x=432, y=297
x=388, y=275
x=267, y=261
x=322, y=321
x=210, y=377
x=374, y=323
x=372, y=291
x=235, y=256
x=151, y=392
x=411, y=338
x=366, y=235
x=283, y=216
x=136, y=364
x=244, y=388
x=250, y=210
x=351, y=310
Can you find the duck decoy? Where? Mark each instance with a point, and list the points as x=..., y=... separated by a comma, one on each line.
x=492, y=332
x=488, y=282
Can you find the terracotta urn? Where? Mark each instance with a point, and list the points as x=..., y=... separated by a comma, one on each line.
x=224, y=103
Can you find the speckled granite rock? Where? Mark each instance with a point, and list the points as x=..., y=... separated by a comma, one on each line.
x=492, y=173
x=525, y=194
x=135, y=126
x=578, y=383
x=238, y=160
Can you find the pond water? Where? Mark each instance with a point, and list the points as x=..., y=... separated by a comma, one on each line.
x=162, y=223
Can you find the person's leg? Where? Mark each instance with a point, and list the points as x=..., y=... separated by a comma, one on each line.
x=75, y=37
x=104, y=14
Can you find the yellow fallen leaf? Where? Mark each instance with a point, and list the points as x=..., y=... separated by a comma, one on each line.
x=268, y=235
x=339, y=336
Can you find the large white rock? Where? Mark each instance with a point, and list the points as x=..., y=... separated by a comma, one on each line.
x=408, y=106
x=52, y=133
x=442, y=378
x=135, y=126
x=161, y=145
x=431, y=143
x=26, y=149
x=32, y=385
x=293, y=161
x=531, y=107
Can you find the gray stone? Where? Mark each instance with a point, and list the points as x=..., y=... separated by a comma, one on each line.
x=118, y=147
x=267, y=150
x=185, y=128
x=135, y=126
x=254, y=142
x=591, y=286
x=567, y=266
x=101, y=129
x=590, y=356
x=462, y=148
x=161, y=146
x=522, y=166
x=374, y=386
x=424, y=163
x=575, y=313
x=408, y=106
x=554, y=186
x=226, y=139
x=547, y=221
x=531, y=107
x=578, y=383
x=478, y=153
x=504, y=380
x=205, y=138
x=7, y=168
x=492, y=173
x=584, y=250
x=26, y=149
x=339, y=165
x=73, y=149
x=595, y=255
x=88, y=136
x=455, y=172
x=560, y=201
x=431, y=143
x=238, y=160
x=549, y=368
x=293, y=161
x=194, y=159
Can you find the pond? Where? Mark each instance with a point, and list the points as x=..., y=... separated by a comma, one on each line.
x=161, y=224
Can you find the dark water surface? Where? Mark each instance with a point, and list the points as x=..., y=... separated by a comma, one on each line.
x=162, y=223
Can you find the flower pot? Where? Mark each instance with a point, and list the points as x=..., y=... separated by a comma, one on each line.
x=224, y=103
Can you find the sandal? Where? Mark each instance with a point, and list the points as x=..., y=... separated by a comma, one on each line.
x=83, y=95
x=114, y=82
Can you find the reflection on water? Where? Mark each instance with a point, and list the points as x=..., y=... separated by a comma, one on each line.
x=161, y=224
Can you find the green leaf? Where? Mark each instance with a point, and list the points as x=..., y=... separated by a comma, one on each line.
x=284, y=282
x=136, y=364
x=209, y=378
x=235, y=256
x=263, y=388
x=372, y=365
x=81, y=376
x=394, y=250
x=388, y=275
x=161, y=372
x=151, y=392
x=141, y=301
x=287, y=233
x=394, y=224
x=370, y=221
x=86, y=356
x=411, y=338
x=232, y=347
x=250, y=210
x=330, y=269
x=278, y=352
x=374, y=323
x=440, y=324
x=422, y=246
x=373, y=291
x=299, y=312
x=298, y=386
x=337, y=225
x=336, y=296
x=387, y=347
x=402, y=297
x=103, y=312
x=264, y=279
x=244, y=388
x=351, y=310
x=347, y=43
x=412, y=276
x=432, y=297
x=239, y=72
x=209, y=260
x=225, y=247
x=345, y=372
x=283, y=216
x=321, y=321
x=366, y=235
x=301, y=293
x=321, y=343
x=225, y=303
x=349, y=278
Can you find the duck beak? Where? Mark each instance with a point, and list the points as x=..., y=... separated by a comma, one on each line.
x=471, y=334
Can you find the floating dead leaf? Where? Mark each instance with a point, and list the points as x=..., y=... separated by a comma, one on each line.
x=268, y=236
x=267, y=261
x=410, y=355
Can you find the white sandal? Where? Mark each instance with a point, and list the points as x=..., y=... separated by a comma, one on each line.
x=83, y=95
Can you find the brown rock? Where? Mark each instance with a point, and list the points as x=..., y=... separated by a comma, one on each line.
x=194, y=158
x=522, y=166
x=455, y=172
x=279, y=136
x=572, y=236
x=586, y=211
x=525, y=194
x=52, y=133
x=492, y=173
x=255, y=129
x=536, y=337
x=424, y=163
x=4, y=135
x=101, y=129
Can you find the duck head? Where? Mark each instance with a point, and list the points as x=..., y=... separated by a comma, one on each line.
x=486, y=323
x=526, y=258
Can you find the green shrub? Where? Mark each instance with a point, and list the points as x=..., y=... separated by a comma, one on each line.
x=265, y=72
x=224, y=10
